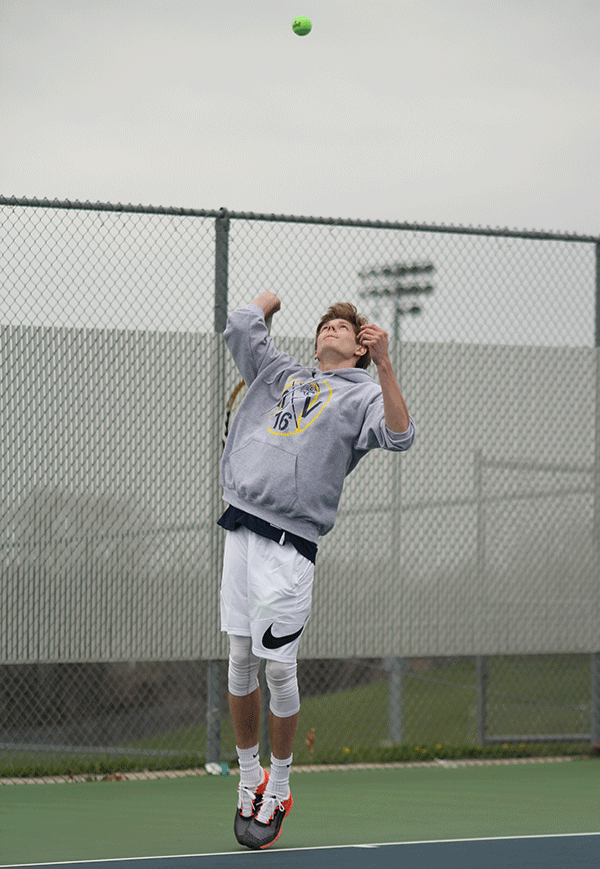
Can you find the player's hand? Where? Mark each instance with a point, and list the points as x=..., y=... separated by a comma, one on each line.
x=376, y=340
x=269, y=302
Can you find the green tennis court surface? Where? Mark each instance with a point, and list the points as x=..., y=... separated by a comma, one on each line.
x=333, y=811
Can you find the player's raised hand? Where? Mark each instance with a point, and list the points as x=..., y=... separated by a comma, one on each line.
x=376, y=340
x=269, y=302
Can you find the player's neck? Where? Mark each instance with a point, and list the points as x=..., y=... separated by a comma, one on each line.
x=333, y=365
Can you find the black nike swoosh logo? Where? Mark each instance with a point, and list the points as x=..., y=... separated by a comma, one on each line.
x=271, y=642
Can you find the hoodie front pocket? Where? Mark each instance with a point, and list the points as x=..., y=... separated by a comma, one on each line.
x=265, y=474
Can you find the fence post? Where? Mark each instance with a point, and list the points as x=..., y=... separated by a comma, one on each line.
x=482, y=682
x=395, y=667
x=213, y=712
x=595, y=703
x=213, y=706
x=481, y=661
x=221, y=270
x=595, y=692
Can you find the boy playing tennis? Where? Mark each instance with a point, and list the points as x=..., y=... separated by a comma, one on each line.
x=297, y=435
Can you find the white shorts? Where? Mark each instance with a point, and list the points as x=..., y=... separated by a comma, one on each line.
x=266, y=594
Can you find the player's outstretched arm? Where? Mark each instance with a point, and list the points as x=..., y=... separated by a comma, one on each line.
x=269, y=302
x=394, y=406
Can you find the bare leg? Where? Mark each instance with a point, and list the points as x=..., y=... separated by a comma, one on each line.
x=245, y=715
x=283, y=732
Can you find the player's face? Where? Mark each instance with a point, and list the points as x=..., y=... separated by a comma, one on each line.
x=337, y=338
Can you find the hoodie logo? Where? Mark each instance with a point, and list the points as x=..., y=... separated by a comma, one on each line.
x=299, y=406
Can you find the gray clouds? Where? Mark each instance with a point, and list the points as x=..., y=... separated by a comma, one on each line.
x=463, y=111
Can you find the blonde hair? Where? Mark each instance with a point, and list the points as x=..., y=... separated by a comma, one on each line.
x=346, y=311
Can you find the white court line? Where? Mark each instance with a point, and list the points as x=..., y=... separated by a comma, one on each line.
x=314, y=848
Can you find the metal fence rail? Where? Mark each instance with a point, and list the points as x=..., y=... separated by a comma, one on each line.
x=457, y=601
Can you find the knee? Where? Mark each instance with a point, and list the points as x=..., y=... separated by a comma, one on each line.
x=282, y=680
x=242, y=675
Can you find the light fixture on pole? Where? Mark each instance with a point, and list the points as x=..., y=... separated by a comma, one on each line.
x=398, y=283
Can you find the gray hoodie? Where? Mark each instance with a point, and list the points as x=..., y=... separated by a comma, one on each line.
x=298, y=432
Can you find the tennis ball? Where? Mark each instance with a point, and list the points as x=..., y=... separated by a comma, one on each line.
x=301, y=25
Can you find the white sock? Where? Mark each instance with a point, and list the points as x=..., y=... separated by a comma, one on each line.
x=279, y=777
x=250, y=771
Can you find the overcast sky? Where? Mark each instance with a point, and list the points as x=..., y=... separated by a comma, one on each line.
x=472, y=112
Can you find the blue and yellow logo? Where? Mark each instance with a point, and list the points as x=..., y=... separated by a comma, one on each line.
x=299, y=406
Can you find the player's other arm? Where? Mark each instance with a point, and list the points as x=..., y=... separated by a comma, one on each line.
x=396, y=413
x=269, y=302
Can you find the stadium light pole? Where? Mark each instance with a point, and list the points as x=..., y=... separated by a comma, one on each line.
x=401, y=284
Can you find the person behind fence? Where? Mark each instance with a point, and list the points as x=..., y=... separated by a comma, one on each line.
x=297, y=434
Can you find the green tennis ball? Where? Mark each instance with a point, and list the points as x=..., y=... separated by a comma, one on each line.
x=301, y=25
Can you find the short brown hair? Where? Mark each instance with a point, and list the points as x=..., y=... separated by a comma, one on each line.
x=346, y=311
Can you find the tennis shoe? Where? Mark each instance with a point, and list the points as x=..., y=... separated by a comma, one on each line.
x=249, y=802
x=265, y=827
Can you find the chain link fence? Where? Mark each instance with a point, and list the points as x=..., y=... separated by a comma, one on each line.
x=456, y=604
